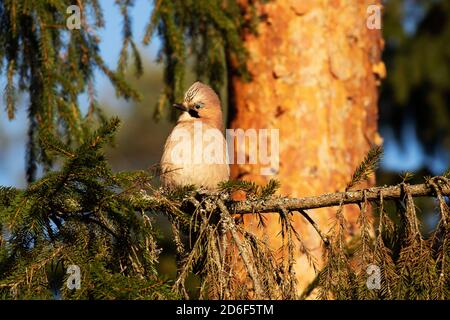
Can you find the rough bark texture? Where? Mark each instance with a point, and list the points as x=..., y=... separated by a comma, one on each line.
x=315, y=70
x=335, y=199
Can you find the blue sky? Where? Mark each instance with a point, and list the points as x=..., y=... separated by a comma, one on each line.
x=12, y=156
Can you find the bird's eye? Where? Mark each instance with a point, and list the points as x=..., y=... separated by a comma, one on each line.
x=198, y=105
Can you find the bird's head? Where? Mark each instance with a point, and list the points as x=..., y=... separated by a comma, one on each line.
x=201, y=103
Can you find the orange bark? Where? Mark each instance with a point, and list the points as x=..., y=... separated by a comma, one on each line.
x=315, y=71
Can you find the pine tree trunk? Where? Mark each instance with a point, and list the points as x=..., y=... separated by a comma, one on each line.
x=315, y=70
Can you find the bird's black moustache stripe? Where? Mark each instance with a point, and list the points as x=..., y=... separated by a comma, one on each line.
x=193, y=113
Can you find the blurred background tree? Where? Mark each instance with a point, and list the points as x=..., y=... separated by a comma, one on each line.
x=415, y=101
x=415, y=95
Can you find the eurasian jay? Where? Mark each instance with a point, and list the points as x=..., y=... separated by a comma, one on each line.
x=195, y=152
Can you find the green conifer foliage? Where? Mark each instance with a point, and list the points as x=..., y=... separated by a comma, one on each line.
x=417, y=88
x=40, y=56
x=207, y=30
x=79, y=215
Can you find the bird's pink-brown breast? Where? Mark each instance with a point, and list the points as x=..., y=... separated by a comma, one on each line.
x=195, y=154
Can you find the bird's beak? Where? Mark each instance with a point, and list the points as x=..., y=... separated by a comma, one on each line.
x=180, y=106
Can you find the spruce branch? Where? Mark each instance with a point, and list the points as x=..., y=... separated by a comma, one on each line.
x=324, y=238
x=334, y=199
x=366, y=167
x=243, y=250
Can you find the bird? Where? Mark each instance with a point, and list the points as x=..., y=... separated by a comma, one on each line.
x=195, y=153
